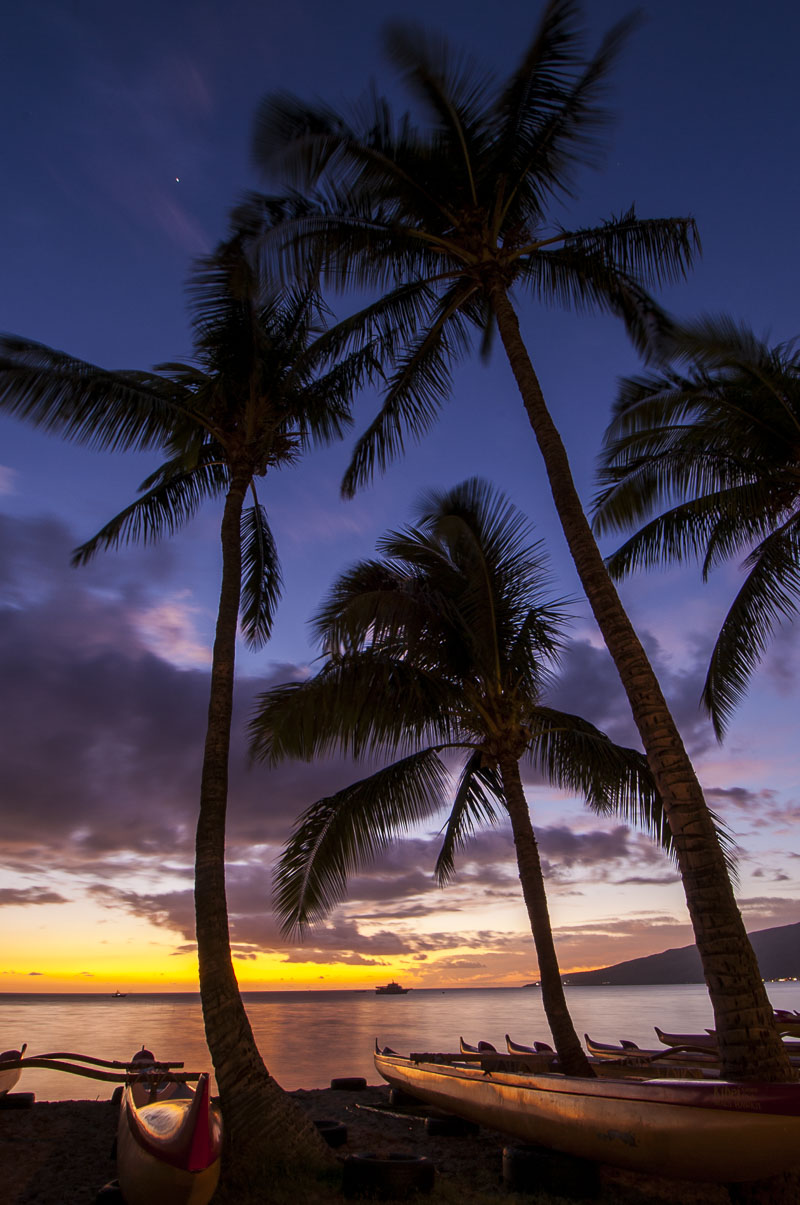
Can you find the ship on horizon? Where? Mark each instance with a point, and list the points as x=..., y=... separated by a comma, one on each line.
x=392, y=989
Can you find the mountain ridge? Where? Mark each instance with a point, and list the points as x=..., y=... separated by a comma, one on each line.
x=777, y=950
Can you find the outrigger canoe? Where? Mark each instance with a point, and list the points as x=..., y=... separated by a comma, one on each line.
x=10, y=1077
x=536, y=1048
x=169, y=1136
x=169, y=1142
x=693, y=1129
x=692, y=1054
x=625, y=1050
x=706, y=1041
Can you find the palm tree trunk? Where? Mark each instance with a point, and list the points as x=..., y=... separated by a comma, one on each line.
x=750, y=1046
x=264, y=1127
x=570, y=1052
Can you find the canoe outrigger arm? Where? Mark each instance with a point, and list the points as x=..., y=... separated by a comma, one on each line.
x=86, y=1058
x=149, y=1076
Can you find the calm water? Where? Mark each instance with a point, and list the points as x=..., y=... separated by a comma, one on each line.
x=309, y=1037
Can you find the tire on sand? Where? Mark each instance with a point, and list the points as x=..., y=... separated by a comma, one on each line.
x=349, y=1083
x=387, y=1177
x=334, y=1132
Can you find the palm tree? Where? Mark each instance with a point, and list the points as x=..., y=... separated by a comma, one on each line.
x=721, y=442
x=447, y=220
x=443, y=646
x=267, y=380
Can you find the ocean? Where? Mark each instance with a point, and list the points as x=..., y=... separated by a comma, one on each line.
x=309, y=1037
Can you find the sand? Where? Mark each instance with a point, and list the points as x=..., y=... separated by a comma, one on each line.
x=60, y=1153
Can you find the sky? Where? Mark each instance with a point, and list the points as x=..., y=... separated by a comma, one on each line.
x=126, y=143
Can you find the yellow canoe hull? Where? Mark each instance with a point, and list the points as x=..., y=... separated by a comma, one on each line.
x=153, y=1145
x=684, y=1129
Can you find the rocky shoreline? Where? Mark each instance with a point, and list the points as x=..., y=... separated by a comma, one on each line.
x=59, y=1153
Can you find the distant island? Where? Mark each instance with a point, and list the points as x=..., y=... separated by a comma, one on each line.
x=777, y=951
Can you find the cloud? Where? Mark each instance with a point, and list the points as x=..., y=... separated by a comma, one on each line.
x=102, y=754
x=8, y=480
x=764, y=912
x=759, y=809
x=589, y=685
x=16, y=896
x=168, y=630
x=103, y=739
x=619, y=939
x=459, y=964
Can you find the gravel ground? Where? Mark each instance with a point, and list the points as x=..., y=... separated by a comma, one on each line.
x=60, y=1153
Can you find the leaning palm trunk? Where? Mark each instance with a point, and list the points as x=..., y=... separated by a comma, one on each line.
x=263, y=1127
x=570, y=1052
x=750, y=1046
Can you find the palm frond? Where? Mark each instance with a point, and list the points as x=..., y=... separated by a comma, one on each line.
x=452, y=90
x=712, y=527
x=652, y=251
x=552, y=113
x=608, y=267
x=416, y=390
x=261, y=576
x=770, y=596
x=614, y=780
x=364, y=704
x=114, y=411
x=344, y=832
x=475, y=805
x=169, y=502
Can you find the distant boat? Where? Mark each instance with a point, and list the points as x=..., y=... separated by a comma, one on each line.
x=118, y=995
x=392, y=989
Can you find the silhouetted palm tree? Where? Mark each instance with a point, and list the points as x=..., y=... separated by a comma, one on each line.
x=714, y=453
x=267, y=380
x=443, y=646
x=447, y=219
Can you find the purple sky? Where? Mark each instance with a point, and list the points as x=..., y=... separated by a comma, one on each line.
x=125, y=144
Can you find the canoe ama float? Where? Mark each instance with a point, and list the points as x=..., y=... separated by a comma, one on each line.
x=9, y=1078
x=168, y=1150
x=705, y=1130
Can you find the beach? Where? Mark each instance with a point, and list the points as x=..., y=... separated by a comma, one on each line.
x=59, y=1153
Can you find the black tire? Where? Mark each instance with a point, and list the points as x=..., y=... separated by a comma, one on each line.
x=349, y=1083
x=450, y=1127
x=17, y=1100
x=387, y=1177
x=334, y=1132
x=109, y=1194
x=540, y=1169
x=116, y=1097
